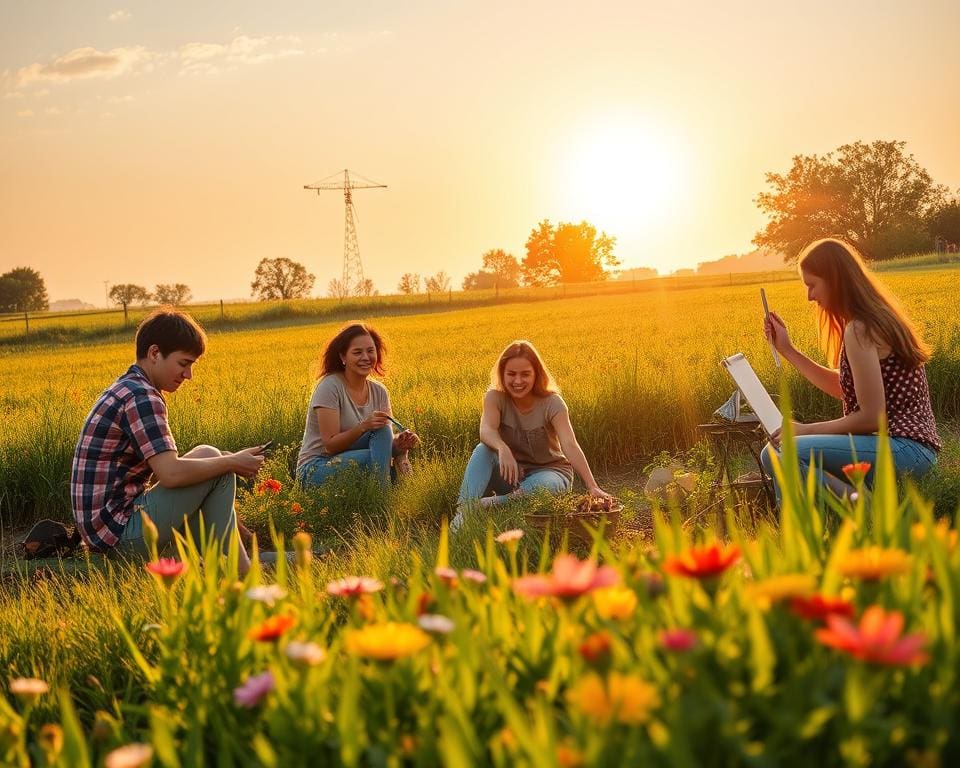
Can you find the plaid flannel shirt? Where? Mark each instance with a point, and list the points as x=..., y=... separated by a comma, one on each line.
x=126, y=426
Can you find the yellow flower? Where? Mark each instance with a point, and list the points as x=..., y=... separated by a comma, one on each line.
x=941, y=531
x=624, y=699
x=873, y=563
x=782, y=587
x=615, y=602
x=387, y=641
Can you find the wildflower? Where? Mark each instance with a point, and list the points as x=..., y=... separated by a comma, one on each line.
x=435, y=624
x=941, y=531
x=296, y=509
x=876, y=640
x=28, y=689
x=569, y=579
x=447, y=575
x=424, y=603
x=615, y=602
x=857, y=472
x=874, y=563
x=272, y=629
x=477, y=577
x=387, y=641
x=129, y=756
x=51, y=741
x=702, y=562
x=305, y=654
x=268, y=486
x=819, y=607
x=253, y=690
x=267, y=593
x=352, y=586
x=509, y=537
x=569, y=757
x=624, y=699
x=166, y=570
x=596, y=648
x=783, y=587
x=678, y=640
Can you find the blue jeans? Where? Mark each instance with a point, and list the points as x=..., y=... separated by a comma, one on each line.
x=483, y=475
x=829, y=454
x=372, y=450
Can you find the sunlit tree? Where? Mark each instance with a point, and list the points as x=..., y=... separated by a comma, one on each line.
x=23, y=290
x=567, y=253
x=125, y=294
x=281, y=278
x=174, y=294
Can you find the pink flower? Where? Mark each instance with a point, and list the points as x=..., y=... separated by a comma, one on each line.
x=678, y=640
x=475, y=576
x=876, y=639
x=166, y=570
x=447, y=575
x=353, y=586
x=569, y=579
x=254, y=688
x=507, y=537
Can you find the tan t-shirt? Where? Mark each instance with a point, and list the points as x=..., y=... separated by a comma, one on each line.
x=531, y=436
x=331, y=392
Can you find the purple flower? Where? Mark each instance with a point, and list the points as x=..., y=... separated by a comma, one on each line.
x=255, y=688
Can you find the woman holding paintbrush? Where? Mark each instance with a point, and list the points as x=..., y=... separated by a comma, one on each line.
x=876, y=370
x=349, y=417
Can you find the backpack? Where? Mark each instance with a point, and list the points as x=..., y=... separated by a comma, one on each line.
x=49, y=538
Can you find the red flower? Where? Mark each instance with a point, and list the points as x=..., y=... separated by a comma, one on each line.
x=296, y=509
x=271, y=485
x=569, y=579
x=819, y=607
x=857, y=472
x=425, y=603
x=678, y=640
x=167, y=570
x=702, y=562
x=877, y=639
x=272, y=629
x=595, y=648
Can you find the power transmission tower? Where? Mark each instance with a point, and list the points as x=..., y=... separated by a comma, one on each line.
x=352, y=266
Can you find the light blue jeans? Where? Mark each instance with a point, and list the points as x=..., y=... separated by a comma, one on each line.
x=372, y=451
x=829, y=453
x=483, y=476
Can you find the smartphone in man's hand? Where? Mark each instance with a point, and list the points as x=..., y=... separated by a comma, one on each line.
x=266, y=449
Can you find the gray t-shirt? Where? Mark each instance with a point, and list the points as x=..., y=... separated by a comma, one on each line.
x=331, y=392
x=531, y=436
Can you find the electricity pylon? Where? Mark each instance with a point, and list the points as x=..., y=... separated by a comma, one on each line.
x=352, y=266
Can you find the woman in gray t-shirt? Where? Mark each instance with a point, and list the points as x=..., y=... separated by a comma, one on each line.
x=526, y=439
x=349, y=417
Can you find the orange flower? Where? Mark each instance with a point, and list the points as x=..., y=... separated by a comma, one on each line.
x=856, y=473
x=569, y=757
x=569, y=579
x=296, y=509
x=166, y=570
x=874, y=563
x=941, y=531
x=819, y=607
x=876, y=640
x=703, y=562
x=387, y=642
x=272, y=629
x=595, y=648
x=624, y=699
x=271, y=485
x=782, y=587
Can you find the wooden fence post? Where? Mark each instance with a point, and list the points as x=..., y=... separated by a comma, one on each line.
x=26, y=320
x=125, y=313
x=221, y=310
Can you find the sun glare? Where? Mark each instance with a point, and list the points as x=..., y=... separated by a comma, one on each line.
x=624, y=178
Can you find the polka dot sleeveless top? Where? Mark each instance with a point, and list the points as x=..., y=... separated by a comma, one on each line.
x=907, y=396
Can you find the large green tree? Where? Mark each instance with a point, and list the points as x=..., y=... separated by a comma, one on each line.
x=875, y=195
x=23, y=290
x=281, y=278
x=944, y=223
x=567, y=253
x=125, y=294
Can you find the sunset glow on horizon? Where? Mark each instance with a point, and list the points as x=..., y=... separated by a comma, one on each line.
x=150, y=143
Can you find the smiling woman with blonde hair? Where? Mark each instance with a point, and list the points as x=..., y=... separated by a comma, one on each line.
x=526, y=439
x=876, y=370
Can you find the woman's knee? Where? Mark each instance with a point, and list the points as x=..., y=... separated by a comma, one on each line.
x=483, y=452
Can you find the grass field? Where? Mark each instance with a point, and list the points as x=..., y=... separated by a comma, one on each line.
x=638, y=371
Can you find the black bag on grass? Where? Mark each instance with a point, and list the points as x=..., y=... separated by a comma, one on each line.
x=49, y=538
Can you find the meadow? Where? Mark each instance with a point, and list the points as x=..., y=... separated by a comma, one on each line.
x=826, y=635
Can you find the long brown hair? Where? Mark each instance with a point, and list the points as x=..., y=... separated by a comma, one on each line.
x=330, y=360
x=543, y=382
x=854, y=293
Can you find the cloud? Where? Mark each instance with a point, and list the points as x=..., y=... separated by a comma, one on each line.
x=52, y=111
x=120, y=15
x=211, y=58
x=25, y=113
x=81, y=63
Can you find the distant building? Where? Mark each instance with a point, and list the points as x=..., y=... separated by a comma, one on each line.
x=69, y=305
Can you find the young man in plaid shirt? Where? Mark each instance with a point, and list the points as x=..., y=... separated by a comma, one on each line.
x=126, y=443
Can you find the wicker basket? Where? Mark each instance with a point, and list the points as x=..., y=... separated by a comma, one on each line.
x=575, y=525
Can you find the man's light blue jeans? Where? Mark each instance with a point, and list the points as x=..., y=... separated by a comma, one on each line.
x=828, y=454
x=372, y=450
x=483, y=476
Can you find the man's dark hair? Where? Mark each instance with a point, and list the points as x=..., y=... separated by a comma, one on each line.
x=172, y=331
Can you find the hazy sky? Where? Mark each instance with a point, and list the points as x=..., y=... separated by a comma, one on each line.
x=154, y=142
